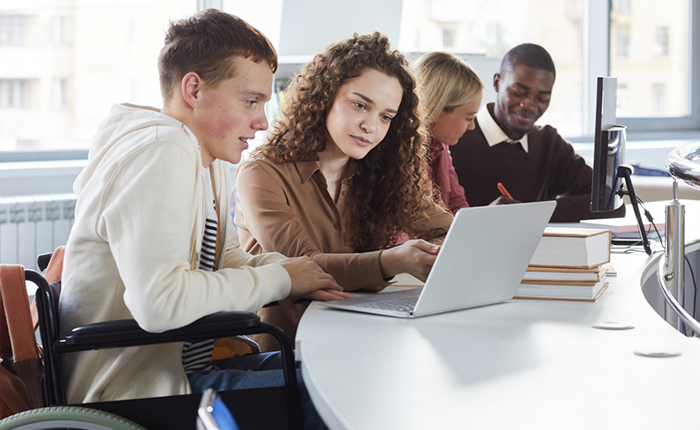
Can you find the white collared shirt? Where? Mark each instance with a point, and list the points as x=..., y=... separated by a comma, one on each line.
x=492, y=132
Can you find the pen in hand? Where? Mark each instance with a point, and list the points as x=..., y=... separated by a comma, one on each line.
x=503, y=191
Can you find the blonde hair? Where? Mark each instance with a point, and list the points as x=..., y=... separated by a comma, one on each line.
x=446, y=82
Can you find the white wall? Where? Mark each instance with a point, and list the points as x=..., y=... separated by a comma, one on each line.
x=308, y=26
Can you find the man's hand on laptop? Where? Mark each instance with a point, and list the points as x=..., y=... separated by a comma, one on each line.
x=310, y=281
x=415, y=257
x=293, y=313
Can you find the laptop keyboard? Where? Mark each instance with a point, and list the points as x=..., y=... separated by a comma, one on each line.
x=403, y=304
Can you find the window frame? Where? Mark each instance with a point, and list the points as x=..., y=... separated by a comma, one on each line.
x=596, y=14
x=15, y=30
x=675, y=125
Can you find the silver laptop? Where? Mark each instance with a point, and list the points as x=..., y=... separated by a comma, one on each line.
x=482, y=260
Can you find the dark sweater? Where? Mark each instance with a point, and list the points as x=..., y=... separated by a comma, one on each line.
x=550, y=170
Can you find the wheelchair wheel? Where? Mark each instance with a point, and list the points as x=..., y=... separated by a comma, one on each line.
x=67, y=417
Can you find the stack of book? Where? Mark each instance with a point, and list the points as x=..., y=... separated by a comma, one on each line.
x=568, y=264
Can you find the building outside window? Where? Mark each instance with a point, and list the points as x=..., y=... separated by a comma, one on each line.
x=661, y=45
x=68, y=62
x=12, y=93
x=622, y=6
x=59, y=30
x=448, y=38
x=656, y=68
x=623, y=41
x=658, y=98
x=622, y=100
x=484, y=30
x=11, y=30
x=573, y=8
x=215, y=4
x=59, y=93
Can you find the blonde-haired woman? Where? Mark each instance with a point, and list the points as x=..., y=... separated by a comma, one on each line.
x=451, y=95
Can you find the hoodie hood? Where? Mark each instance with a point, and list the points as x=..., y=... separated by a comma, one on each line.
x=123, y=119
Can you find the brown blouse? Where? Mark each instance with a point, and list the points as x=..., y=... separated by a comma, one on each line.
x=287, y=208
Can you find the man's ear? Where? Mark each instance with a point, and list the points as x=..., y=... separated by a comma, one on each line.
x=496, y=81
x=191, y=87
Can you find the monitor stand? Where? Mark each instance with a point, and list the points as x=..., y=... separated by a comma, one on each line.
x=626, y=172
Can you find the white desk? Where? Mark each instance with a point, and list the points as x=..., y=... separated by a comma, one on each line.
x=530, y=364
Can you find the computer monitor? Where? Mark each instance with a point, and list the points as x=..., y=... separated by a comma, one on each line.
x=607, y=188
x=609, y=149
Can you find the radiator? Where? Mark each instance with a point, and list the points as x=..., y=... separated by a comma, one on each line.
x=33, y=225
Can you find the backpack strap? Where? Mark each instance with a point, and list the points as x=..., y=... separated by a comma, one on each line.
x=18, y=320
x=5, y=344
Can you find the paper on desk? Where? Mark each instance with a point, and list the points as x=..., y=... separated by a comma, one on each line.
x=610, y=270
x=406, y=280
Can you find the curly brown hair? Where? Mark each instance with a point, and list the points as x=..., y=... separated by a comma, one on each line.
x=391, y=186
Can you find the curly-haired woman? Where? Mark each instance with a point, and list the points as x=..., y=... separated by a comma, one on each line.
x=343, y=176
x=451, y=94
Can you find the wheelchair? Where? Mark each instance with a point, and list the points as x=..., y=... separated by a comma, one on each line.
x=259, y=408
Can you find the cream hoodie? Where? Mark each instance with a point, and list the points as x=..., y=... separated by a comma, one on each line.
x=133, y=254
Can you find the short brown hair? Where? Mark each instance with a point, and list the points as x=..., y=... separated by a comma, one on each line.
x=206, y=44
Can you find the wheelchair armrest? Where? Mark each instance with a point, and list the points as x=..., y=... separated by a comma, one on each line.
x=124, y=333
x=296, y=302
x=43, y=260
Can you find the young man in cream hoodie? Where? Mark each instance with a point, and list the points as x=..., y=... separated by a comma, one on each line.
x=152, y=238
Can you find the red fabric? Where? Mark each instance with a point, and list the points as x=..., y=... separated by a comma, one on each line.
x=445, y=178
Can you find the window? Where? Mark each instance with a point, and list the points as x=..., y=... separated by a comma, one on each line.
x=643, y=43
x=657, y=65
x=205, y=4
x=81, y=80
x=573, y=8
x=59, y=94
x=661, y=45
x=11, y=30
x=622, y=100
x=622, y=6
x=59, y=30
x=658, y=98
x=623, y=41
x=12, y=93
x=68, y=62
x=486, y=33
x=448, y=38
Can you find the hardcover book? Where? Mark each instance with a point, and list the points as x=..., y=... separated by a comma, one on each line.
x=572, y=247
x=537, y=274
x=589, y=293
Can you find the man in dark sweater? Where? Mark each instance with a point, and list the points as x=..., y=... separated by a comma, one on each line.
x=534, y=163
